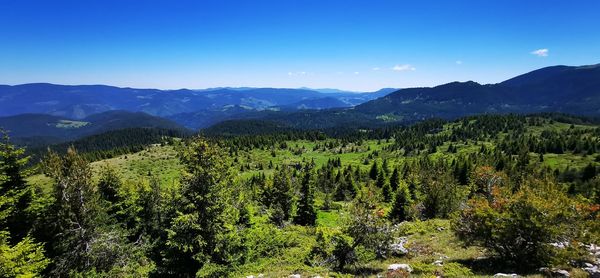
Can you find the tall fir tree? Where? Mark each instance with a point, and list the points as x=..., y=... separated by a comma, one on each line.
x=283, y=196
x=14, y=190
x=306, y=214
x=202, y=232
x=394, y=180
x=401, y=204
x=20, y=256
x=374, y=171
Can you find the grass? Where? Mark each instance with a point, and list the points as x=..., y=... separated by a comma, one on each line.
x=428, y=241
x=68, y=124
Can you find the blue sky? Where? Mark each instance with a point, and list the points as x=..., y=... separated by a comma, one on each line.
x=356, y=45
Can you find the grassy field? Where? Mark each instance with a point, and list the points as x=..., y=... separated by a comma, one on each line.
x=428, y=241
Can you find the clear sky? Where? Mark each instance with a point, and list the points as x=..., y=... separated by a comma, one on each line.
x=347, y=44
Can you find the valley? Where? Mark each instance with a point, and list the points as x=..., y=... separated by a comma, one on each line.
x=373, y=158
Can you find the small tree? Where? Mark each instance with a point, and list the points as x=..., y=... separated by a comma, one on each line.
x=367, y=225
x=394, y=180
x=283, y=196
x=85, y=241
x=401, y=205
x=520, y=228
x=306, y=214
x=374, y=171
x=201, y=233
x=15, y=192
x=21, y=256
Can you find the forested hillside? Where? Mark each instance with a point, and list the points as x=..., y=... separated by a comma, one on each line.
x=469, y=197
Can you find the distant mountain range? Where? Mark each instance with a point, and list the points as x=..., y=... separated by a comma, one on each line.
x=41, y=129
x=563, y=89
x=574, y=90
x=78, y=102
x=68, y=112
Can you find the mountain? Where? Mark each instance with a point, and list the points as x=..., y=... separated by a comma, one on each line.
x=563, y=89
x=41, y=129
x=552, y=89
x=80, y=101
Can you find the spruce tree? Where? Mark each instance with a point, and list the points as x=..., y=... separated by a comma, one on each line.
x=20, y=256
x=15, y=192
x=395, y=180
x=306, y=214
x=374, y=171
x=202, y=232
x=401, y=204
x=283, y=195
x=380, y=182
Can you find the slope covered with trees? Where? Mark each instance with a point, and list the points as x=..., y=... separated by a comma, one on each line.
x=469, y=197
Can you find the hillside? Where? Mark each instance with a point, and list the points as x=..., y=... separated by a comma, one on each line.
x=553, y=89
x=441, y=164
x=38, y=130
x=80, y=101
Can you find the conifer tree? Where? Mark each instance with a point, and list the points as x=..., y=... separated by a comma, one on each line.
x=201, y=234
x=395, y=180
x=283, y=195
x=17, y=194
x=306, y=214
x=401, y=204
x=374, y=171
x=20, y=256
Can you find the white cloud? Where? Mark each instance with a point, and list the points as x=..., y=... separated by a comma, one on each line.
x=297, y=73
x=376, y=68
x=459, y=62
x=541, y=52
x=405, y=67
x=356, y=72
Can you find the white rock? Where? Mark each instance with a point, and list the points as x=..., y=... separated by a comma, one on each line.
x=295, y=276
x=560, y=273
x=398, y=248
x=505, y=275
x=593, y=270
x=438, y=263
x=560, y=245
x=405, y=267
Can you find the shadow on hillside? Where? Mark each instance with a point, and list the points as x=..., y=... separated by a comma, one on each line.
x=489, y=266
x=362, y=271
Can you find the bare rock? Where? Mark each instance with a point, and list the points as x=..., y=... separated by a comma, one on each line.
x=397, y=248
x=498, y=275
x=404, y=267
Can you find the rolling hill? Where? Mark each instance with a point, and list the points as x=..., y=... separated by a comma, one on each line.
x=36, y=130
x=78, y=102
x=552, y=89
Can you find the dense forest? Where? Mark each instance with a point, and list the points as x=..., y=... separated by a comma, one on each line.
x=474, y=196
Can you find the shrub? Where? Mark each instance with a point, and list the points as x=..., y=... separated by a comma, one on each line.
x=521, y=228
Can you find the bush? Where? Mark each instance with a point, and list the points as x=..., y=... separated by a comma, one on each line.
x=521, y=228
x=332, y=249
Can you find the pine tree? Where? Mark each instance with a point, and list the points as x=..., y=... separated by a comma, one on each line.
x=84, y=239
x=283, y=195
x=374, y=171
x=202, y=232
x=19, y=256
x=385, y=167
x=380, y=182
x=395, y=180
x=15, y=192
x=401, y=204
x=306, y=214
